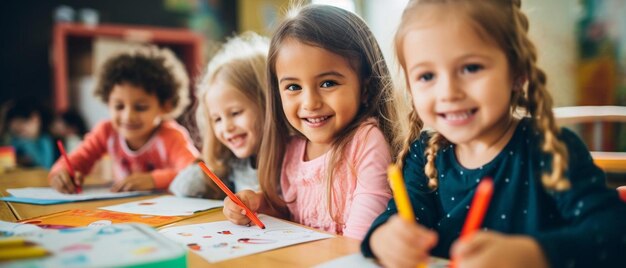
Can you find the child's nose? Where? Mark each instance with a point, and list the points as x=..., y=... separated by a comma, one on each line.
x=311, y=100
x=229, y=124
x=128, y=114
x=449, y=89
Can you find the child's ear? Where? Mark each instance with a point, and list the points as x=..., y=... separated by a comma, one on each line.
x=167, y=107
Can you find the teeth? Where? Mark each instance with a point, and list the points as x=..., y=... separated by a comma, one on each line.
x=458, y=116
x=317, y=120
x=236, y=139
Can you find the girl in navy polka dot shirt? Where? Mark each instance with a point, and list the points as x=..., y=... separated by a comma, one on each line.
x=473, y=77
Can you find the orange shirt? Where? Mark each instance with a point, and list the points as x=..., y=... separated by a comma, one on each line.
x=168, y=151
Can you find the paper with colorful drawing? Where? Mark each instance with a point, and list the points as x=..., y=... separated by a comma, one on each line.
x=95, y=218
x=167, y=206
x=223, y=240
x=88, y=193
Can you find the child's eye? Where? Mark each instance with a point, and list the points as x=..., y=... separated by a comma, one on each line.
x=328, y=83
x=141, y=108
x=293, y=87
x=426, y=77
x=471, y=68
x=119, y=107
x=235, y=113
x=217, y=119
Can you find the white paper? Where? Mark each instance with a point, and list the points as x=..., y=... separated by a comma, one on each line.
x=357, y=260
x=12, y=228
x=223, y=240
x=167, y=206
x=88, y=193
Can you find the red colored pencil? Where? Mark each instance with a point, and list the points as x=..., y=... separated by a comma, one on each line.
x=79, y=189
x=477, y=212
x=231, y=195
x=480, y=203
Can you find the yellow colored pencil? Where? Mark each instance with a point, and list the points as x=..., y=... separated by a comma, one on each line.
x=400, y=194
x=12, y=242
x=22, y=252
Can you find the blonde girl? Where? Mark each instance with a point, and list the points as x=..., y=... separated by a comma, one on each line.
x=473, y=77
x=230, y=118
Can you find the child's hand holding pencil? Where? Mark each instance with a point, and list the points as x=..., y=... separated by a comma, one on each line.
x=401, y=241
x=235, y=213
x=67, y=181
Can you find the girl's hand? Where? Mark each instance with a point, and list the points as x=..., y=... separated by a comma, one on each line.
x=237, y=214
x=62, y=182
x=134, y=182
x=491, y=249
x=399, y=243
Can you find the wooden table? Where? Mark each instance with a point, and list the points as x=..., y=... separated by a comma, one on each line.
x=301, y=255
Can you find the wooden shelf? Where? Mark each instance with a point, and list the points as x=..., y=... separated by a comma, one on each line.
x=188, y=43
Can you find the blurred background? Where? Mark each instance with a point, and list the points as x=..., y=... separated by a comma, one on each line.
x=51, y=49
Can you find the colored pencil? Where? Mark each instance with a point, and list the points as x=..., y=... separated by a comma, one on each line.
x=479, y=206
x=79, y=189
x=231, y=195
x=12, y=242
x=18, y=248
x=401, y=196
x=477, y=211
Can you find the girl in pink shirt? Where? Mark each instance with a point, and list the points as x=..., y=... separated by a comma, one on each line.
x=144, y=90
x=330, y=111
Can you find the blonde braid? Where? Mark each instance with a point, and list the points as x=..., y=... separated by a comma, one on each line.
x=415, y=126
x=434, y=144
x=539, y=105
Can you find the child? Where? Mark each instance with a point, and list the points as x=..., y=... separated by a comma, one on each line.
x=471, y=69
x=230, y=118
x=70, y=127
x=327, y=127
x=27, y=130
x=144, y=90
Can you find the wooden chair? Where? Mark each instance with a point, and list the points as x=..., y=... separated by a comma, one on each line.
x=613, y=162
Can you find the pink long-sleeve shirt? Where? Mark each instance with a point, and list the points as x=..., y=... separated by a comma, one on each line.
x=168, y=151
x=360, y=187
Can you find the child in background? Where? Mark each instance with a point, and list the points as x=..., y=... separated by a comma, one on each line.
x=70, y=127
x=230, y=118
x=26, y=129
x=328, y=125
x=473, y=76
x=144, y=90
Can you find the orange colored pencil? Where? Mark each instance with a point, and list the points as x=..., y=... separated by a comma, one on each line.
x=231, y=195
x=477, y=212
x=479, y=206
x=79, y=189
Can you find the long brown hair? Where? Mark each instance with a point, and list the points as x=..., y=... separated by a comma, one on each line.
x=503, y=22
x=241, y=62
x=342, y=33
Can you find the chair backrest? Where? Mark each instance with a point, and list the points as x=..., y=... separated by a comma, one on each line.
x=614, y=162
x=622, y=192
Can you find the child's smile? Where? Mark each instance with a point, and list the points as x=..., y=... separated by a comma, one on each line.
x=458, y=117
x=234, y=118
x=135, y=113
x=319, y=98
x=460, y=83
